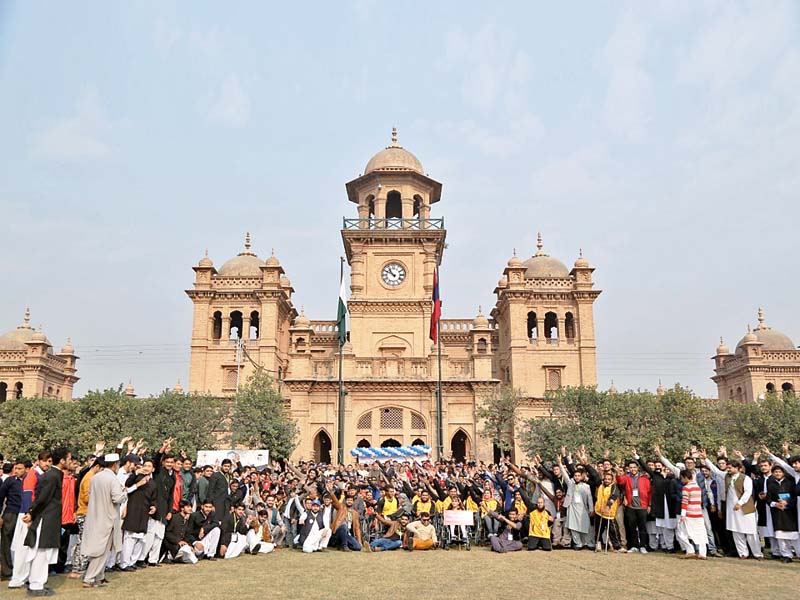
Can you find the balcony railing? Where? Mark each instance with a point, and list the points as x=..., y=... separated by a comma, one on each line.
x=398, y=224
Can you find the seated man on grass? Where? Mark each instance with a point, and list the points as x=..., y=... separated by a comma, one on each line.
x=420, y=535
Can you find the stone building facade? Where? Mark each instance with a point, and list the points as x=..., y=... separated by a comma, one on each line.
x=28, y=367
x=765, y=360
x=539, y=336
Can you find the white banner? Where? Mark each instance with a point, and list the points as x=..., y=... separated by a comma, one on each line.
x=248, y=458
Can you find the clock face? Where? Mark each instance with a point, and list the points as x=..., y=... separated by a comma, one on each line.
x=393, y=274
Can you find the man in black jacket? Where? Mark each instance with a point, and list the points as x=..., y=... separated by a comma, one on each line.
x=164, y=477
x=783, y=505
x=663, y=504
x=234, y=527
x=44, y=521
x=175, y=541
x=219, y=487
x=203, y=532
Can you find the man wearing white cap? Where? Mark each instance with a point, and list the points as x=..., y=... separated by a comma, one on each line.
x=102, y=529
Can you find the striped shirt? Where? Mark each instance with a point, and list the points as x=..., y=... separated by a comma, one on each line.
x=692, y=501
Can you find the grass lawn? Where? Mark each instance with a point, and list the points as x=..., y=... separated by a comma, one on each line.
x=444, y=574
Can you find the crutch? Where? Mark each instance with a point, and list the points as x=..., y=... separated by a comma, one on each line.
x=608, y=527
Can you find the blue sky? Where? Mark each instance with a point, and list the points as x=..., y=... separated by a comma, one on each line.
x=662, y=138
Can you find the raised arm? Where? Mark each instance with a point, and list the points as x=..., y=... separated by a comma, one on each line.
x=666, y=462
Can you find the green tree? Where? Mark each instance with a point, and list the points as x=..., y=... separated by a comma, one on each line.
x=196, y=421
x=499, y=415
x=30, y=425
x=618, y=421
x=261, y=420
x=34, y=424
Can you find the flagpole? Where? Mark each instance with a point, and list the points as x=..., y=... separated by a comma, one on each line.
x=440, y=436
x=340, y=436
x=439, y=424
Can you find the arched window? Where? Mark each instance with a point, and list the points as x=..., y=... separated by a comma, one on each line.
x=390, y=443
x=787, y=387
x=370, y=202
x=459, y=445
x=365, y=421
x=364, y=444
x=230, y=379
x=322, y=447
x=730, y=394
x=418, y=442
x=391, y=418
x=417, y=421
x=235, y=331
x=554, y=380
x=770, y=387
x=3, y=391
x=18, y=390
x=569, y=327
x=254, y=326
x=49, y=390
x=533, y=326
x=394, y=207
x=551, y=327
x=417, y=206
x=482, y=346
x=217, y=328
x=739, y=394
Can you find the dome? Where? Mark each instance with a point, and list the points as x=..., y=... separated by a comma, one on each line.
x=394, y=158
x=480, y=321
x=543, y=265
x=722, y=348
x=242, y=265
x=272, y=261
x=771, y=339
x=245, y=264
x=503, y=282
x=16, y=338
x=581, y=262
x=302, y=320
x=285, y=281
x=178, y=389
x=205, y=261
x=514, y=261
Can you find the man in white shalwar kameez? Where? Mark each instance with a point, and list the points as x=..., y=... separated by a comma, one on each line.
x=578, y=503
x=741, y=518
x=103, y=528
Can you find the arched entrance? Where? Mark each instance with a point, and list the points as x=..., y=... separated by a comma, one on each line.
x=322, y=447
x=3, y=391
x=418, y=442
x=390, y=443
x=459, y=445
x=364, y=444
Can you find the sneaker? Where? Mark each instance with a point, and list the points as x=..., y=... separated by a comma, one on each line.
x=643, y=550
x=633, y=550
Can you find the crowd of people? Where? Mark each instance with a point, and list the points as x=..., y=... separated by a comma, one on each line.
x=129, y=509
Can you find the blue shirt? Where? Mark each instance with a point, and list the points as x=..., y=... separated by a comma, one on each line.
x=11, y=494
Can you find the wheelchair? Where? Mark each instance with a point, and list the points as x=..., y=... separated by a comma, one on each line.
x=458, y=536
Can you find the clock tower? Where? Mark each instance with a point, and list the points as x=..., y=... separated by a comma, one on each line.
x=392, y=249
